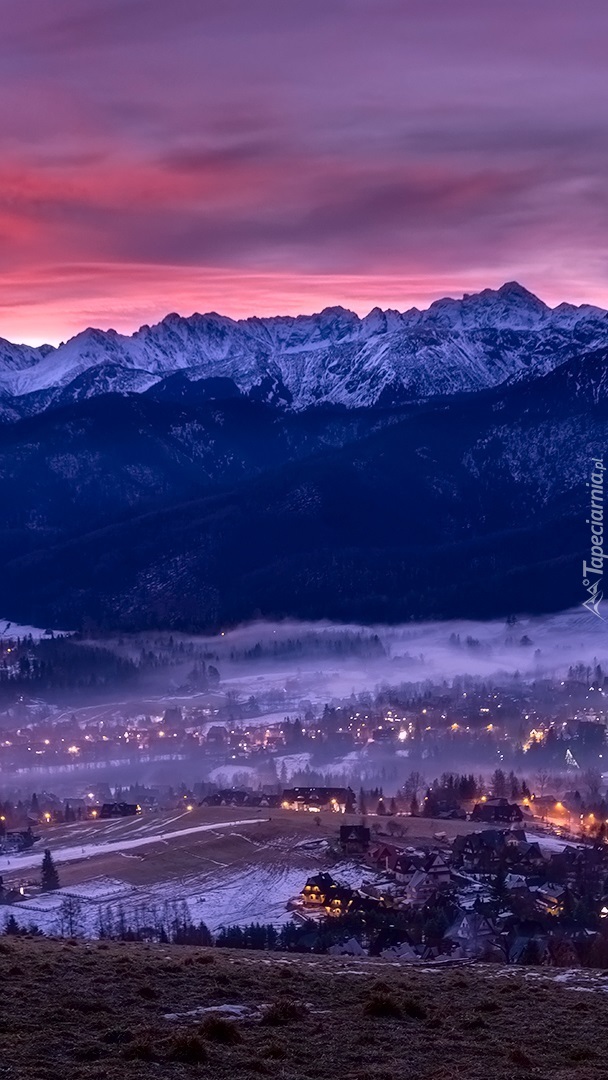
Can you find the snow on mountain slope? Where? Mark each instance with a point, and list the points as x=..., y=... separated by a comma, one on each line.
x=334, y=356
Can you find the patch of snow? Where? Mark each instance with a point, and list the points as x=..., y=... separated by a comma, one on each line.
x=225, y=775
x=205, y=1010
x=10, y=630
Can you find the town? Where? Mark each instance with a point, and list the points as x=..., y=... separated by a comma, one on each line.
x=416, y=817
x=497, y=895
x=456, y=876
x=219, y=724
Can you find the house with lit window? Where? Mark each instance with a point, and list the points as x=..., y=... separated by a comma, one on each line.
x=321, y=891
x=317, y=799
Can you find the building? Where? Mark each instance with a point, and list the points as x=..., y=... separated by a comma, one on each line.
x=15, y=840
x=118, y=810
x=323, y=892
x=317, y=799
x=354, y=839
x=472, y=934
x=497, y=811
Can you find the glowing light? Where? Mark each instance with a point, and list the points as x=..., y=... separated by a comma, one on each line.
x=73, y=750
x=402, y=736
x=189, y=806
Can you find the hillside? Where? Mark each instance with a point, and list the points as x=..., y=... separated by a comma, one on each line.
x=141, y=515
x=129, y=1012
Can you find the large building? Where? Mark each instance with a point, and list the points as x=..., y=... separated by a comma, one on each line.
x=316, y=799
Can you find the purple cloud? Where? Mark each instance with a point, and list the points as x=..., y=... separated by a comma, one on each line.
x=335, y=146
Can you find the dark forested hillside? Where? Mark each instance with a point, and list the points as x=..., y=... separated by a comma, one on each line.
x=139, y=511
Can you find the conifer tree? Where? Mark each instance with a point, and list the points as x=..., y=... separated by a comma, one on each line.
x=50, y=877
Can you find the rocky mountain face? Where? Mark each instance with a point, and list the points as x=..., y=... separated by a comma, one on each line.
x=332, y=358
x=288, y=467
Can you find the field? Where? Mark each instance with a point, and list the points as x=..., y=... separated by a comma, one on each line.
x=228, y=865
x=98, y=1011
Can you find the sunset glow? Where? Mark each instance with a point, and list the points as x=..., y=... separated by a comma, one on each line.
x=267, y=157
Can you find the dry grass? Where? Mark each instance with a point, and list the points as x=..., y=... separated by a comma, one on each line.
x=77, y=1012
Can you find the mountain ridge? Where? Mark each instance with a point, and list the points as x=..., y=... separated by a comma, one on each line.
x=331, y=357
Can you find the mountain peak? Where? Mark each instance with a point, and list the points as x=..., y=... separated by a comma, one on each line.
x=510, y=306
x=517, y=291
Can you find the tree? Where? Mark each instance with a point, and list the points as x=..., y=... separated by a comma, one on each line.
x=50, y=877
x=542, y=779
x=362, y=803
x=592, y=780
x=413, y=784
x=70, y=917
x=499, y=784
x=514, y=785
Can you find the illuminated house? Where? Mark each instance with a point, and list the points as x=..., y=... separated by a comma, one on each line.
x=316, y=799
x=322, y=891
x=316, y=888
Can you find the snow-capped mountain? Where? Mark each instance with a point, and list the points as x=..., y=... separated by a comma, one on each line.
x=335, y=357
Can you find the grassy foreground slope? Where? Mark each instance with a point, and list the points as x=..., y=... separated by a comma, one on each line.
x=119, y=1012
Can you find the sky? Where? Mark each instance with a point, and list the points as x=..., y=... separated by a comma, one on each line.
x=271, y=156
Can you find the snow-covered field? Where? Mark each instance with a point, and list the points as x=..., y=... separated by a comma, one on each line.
x=15, y=630
x=217, y=866
x=221, y=895
x=219, y=898
x=105, y=847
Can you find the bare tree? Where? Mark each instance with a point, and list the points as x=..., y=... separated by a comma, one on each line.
x=541, y=780
x=70, y=918
x=592, y=783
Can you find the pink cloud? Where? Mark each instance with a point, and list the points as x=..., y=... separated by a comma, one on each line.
x=275, y=157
